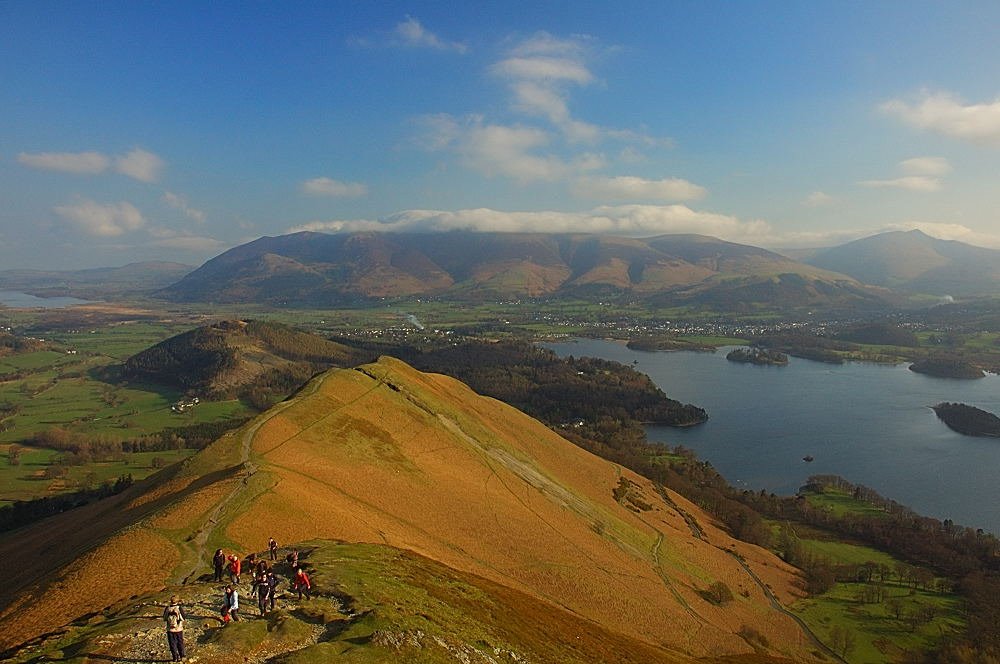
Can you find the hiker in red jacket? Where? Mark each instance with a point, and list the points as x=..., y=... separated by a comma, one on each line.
x=301, y=583
x=234, y=569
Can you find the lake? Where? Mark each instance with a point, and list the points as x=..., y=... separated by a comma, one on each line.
x=869, y=423
x=19, y=300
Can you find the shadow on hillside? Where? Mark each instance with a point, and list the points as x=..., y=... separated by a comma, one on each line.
x=37, y=550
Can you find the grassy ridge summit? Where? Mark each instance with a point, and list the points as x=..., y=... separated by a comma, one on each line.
x=912, y=261
x=386, y=455
x=317, y=268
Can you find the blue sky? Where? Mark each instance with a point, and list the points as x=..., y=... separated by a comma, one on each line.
x=142, y=131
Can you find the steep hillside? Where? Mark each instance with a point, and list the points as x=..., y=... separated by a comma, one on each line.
x=914, y=262
x=318, y=269
x=493, y=534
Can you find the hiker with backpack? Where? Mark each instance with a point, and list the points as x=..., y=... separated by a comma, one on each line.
x=231, y=605
x=173, y=616
x=301, y=583
x=219, y=560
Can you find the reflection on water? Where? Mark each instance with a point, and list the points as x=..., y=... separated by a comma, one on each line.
x=869, y=423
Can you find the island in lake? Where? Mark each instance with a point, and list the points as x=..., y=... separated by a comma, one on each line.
x=755, y=355
x=947, y=367
x=968, y=420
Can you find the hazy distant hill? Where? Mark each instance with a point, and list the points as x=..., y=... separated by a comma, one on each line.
x=487, y=535
x=914, y=262
x=94, y=283
x=317, y=268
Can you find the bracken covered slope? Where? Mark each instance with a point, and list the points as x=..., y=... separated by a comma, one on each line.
x=475, y=490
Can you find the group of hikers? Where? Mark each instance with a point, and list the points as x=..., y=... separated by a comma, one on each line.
x=263, y=587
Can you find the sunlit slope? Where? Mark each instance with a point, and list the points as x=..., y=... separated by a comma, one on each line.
x=386, y=454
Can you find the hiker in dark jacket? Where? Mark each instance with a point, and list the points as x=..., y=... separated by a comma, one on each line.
x=173, y=616
x=263, y=592
x=272, y=586
x=272, y=546
x=219, y=560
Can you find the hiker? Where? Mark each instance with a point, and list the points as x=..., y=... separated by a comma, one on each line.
x=234, y=569
x=219, y=560
x=302, y=584
x=272, y=546
x=173, y=616
x=272, y=586
x=231, y=605
x=263, y=592
x=293, y=559
x=262, y=566
x=250, y=562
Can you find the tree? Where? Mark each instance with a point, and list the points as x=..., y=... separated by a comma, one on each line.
x=14, y=454
x=842, y=640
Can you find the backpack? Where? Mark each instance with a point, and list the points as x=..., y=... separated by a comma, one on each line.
x=174, y=618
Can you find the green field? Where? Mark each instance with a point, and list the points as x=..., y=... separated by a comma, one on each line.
x=81, y=393
x=904, y=618
x=27, y=480
x=841, y=502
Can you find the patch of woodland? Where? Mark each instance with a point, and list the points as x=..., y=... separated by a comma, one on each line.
x=969, y=558
x=947, y=365
x=22, y=512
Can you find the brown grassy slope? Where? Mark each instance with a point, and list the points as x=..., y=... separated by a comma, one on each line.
x=420, y=462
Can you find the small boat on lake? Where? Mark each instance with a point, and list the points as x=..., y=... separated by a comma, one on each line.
x=808, y=458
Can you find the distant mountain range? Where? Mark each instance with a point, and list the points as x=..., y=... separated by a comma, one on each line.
x=321, y=269
x=914, y=262
x=698, y=271
x=94, y=283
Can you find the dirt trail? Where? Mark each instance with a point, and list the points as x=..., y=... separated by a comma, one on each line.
x=197, y=550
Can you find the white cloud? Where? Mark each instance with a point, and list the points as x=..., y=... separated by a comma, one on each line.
x=179, y=202
x=925, y=166
x=501, y=150
x=625, y=187
x=333, y=188
x=140, y=165
x=818, y=199
x=412, y=33
x=632, y=220
x=545, y=69
x=80, y=163
x=171, y=239
x=944, y=113
x=102, y=219
x=909, y=183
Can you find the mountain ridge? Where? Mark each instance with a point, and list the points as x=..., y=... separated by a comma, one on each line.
x=310, y=268
x=388, y=455
x=914, y=262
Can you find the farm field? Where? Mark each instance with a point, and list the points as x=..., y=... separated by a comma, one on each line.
x=73, y=385
x=874, y=622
